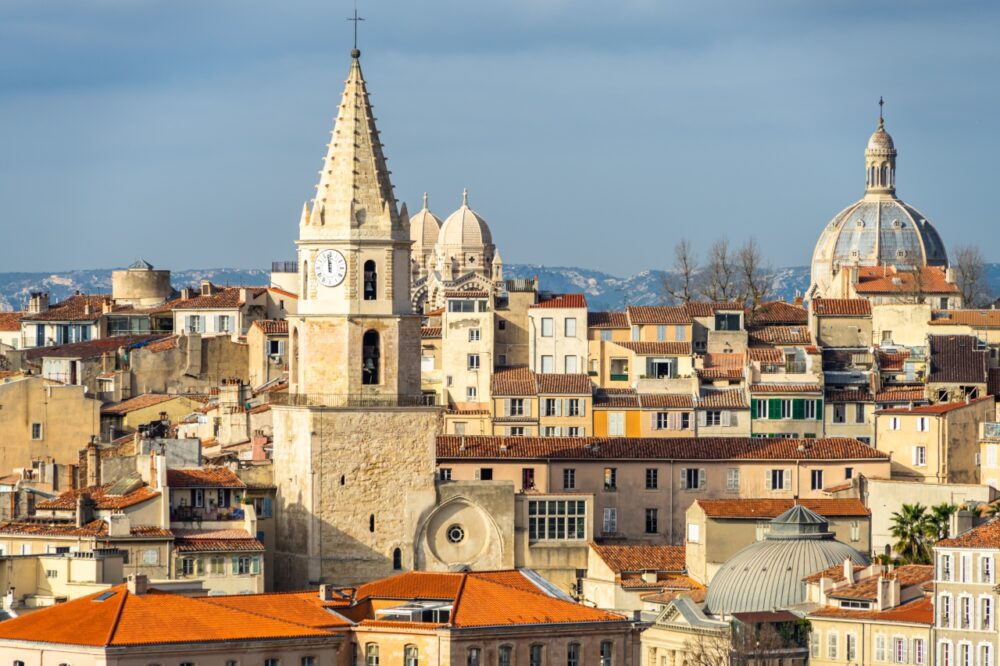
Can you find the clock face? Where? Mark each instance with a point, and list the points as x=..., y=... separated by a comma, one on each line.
x=331, y=268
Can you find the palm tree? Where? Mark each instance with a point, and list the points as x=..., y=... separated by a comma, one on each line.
x=940, y=520
x=911, y=528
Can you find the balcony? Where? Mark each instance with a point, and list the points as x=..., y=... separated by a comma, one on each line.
x=284, y=267
x=991, y=430
x=198, y=515
x=619, y=377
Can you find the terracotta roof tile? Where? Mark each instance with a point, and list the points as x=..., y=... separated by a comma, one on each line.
x=834, y=573
x=303, y=608
x=957, y=358
x=731, y=399
x=891, y=360
x=709, y=308
x=772, y=508
x=139, y=402
x=907, y=574
x=95, y=528
x=272, y=326
x=786, y=388
x=971, y=318
x=779, y=335
x=881, y=280
x=10, y=321
x=204, y=477
x=986, y=535
x=215, y=541
x=513, y=382
x=725, y=360
x=780, y=312
x=565, y=384
x=80, y=307
x=101, y=498
x=657, y=314
x=901, y=395
x=643, y=448
x=935, y=409
x=666, y=401
x=562, y=301
x=223, y=298
x=918, y=611
x=849, y=395
x=430, y=332
x=657, y=348
x=842, y=307
x=616, y=397
x=91, y=348
x=696, y=595
x=162, y=345
x=769, y=355
x=614, y=319
x=639, y=557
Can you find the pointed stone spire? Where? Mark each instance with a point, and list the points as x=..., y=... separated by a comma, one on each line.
x=304, y=220
x=354, y=189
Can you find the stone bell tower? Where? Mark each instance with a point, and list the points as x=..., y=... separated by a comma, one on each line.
x=353, y=439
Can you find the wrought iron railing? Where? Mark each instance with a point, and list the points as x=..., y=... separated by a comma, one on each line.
x=353, y=400
x=284, y=267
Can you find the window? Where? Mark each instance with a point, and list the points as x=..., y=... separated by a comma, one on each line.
x=573, y=431
x=965, y=612
x=573, y=654
x=397, y=559
x=839, y=413
x=945, y=573
x=371, y=655
x=574, y=407
x=855, y=530
x=831, y=645
x=473, y=361
x=187, y=567
x=516, y=431
x=224, y=324
x=879, y=647
x=535, y=655
x=651, y=523
x=816, y=479
x=986, y=613
x=694, y=532
x=516, y=407
x=550, y=431
x=501, y=359
x=923, y=424
x=945, y=654
x=475, y=657
x=899, y=650
x=198, y=497
x=411, y=656
x=848, y=472
x=557, y=519
x=610, y=478
x=652, y=478
x=985, y=653
x=550, y=407
x=527, y=478
x=919, y=651
x=547, y=327
x=474, y=335
x=894, y=423
x=607, y=653
x=809, y=410
x=569, y=327
x=371, y=281
x=733, y=479
x=713, y=418
x=693, y=478
x=944, y=612
x=610, y=520
x=371, y=522
x=444, y=474
x=569, y=479
x=194, y=324
x=502, y=325
x=548, y=363
x=217, y=566
x=786, y=409
x=635, y=334
x=307, y=661
x=460, y=427
x=760, y=409
x=814, y=639
x=570, y=366
x=606, y=335
x=919, y=456
x=36, y=431
x=484, y=474
x=471, y=394
x=242, y=565
x=778, y=479
x=851, y=645
x=616, y=424
x=859, y=412
x=505, y=655
x=985, y=569
x=370, y=358
x=727, y=322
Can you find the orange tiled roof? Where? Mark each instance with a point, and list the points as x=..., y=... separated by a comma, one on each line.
x=666, y=401
x=639, y=557
x=849, y=395
x=834, y=573
x=889, y=280
x=79, y=307
x=10, y=321
x=91, y=348
x=772, y=508
x=139, y=402
x=613, y=319
x=95, y=528
x=842, y=307
x=657, y=314
x=891, y=360
x=657, y=348
x=907, y=574
x=786, y=388
x=101, y=499
x=562, y=301
x=154, y=618
x=303, y=608
x=696, y=594
x=709, y=308
x=223, y=298
x=204, y=477
x=780, y=335
x=731, y=399
x=986, y=535
x=162, y=345
x=654, y=448
x=513, y=381
x=616, y=397
x=725, y=360
x=272, y=326
x=215, y=541
x=430, y=332
x=901, y=395
x=918, y=611
x=780, y=312
x=936, y=409
x=771, y=355
x=957, y=359
x=972, y=318
x=565, y=384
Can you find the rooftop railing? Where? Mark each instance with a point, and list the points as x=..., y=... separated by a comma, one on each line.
x=360, y=400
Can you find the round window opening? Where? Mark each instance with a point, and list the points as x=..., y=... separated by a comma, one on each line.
x=456, y=533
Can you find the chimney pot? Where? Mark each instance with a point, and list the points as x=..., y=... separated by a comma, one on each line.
x=138, y=584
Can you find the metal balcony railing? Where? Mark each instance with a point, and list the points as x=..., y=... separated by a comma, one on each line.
x=353, y=400
x=284, y=267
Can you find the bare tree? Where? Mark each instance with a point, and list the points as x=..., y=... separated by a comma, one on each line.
x=754, y=277
x=970, y=275
x=720, y=282
x=679, y=282
x=705, y=649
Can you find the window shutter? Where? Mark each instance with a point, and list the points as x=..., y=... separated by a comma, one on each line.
x=683, y=478
x=702, y=478
x=673, y=421
x=913, y=456
x=527, y=407
x=267, y=507
x=477, y=475
x=200, y=566
x=774, y=409
x=506, y=406
x=767, y=479
x=702, y=419
x=819, y=409
x=236, y=566
x=583, y=407
x=788, y=479
x=798, y=409
x=562, y=407
x=725, y=418
x=753, y=409
x=255, y=565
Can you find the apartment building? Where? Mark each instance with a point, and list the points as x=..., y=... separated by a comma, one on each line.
x=557, y=323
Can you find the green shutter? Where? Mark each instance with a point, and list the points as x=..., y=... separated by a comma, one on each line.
x=236, y=566
x=753, y=409
x=819, y=409
x=255, y=565
x=798, y=409
x=774, y=409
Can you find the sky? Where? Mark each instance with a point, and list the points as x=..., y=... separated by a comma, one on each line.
x=589, y=133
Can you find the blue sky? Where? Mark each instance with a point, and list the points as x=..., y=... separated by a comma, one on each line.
x=589, y=133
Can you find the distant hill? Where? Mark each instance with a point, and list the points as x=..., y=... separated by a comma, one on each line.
x=603, y=290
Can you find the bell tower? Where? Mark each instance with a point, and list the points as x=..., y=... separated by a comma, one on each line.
x=354, y=334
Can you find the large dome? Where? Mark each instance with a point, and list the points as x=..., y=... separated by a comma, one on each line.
x=879, y=230
x=465, y=228
x=424, y=227
x=767, y=575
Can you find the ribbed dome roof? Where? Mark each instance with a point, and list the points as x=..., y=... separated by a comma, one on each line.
x=880, y=139
x=465, y=227
x=768, y=575
x=424, y=227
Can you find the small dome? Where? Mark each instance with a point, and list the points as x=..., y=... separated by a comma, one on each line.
x=767, y=575
x=424, y=227
x=464, y=227
x=880, y=139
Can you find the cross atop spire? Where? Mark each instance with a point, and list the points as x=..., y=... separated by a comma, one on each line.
x=355, y=53
x=425, y=200
x=465, y=197
x=881, y=103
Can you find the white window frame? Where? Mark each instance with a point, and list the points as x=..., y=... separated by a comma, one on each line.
x=548, y=327
x=923, y=424
x=475, y=335
x=569, y=327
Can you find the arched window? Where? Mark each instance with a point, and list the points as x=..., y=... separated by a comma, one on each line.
x=305, y=280
x=371, y=281
x=370, y=358
x=397, y=561
x=293, y=357
x=371, y=655
x=885, y=176
x=371, y=523
x=411, y=656
x=607, y=653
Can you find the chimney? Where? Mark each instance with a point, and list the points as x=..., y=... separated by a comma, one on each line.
x=848, y=571
x=186, y=293
x=39, y=302
x=93, y=463
x=119, y=525
x=949, y=276
x=138, y=584
x=326, y=592
x=86, y=308
x=84, y=509
x=107, y=306
x=798, y=300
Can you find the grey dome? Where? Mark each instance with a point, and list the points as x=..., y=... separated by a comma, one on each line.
x=768, y=575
